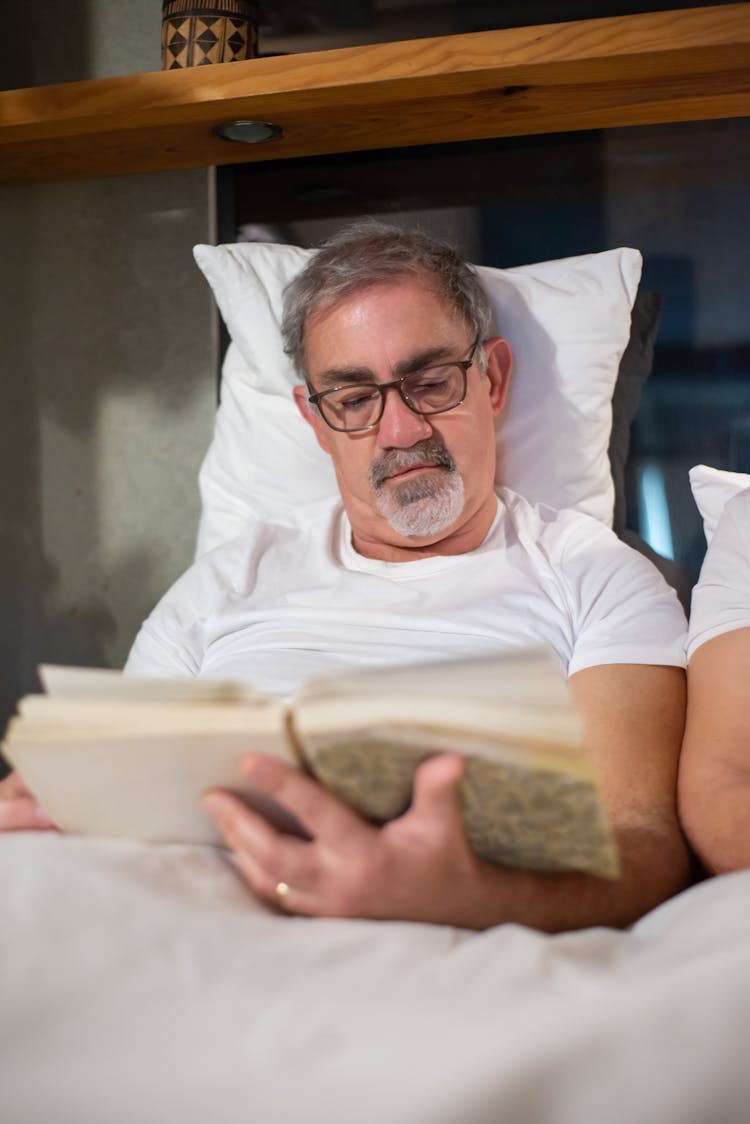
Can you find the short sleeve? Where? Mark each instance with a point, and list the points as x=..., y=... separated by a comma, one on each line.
x=721, y=597
x=623, y=611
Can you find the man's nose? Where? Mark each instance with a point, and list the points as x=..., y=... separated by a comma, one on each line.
x=400, y=427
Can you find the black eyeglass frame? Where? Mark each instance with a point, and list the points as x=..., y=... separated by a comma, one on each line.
x=398, y=384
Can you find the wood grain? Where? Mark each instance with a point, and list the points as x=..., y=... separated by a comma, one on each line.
x=689, y=64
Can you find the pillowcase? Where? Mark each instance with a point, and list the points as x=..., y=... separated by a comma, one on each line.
x=567, y=322
x=712, y=488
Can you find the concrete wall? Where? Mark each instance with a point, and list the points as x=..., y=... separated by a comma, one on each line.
x=107, y=385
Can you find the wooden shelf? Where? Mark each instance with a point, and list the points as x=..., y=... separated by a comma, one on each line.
x=657, y=67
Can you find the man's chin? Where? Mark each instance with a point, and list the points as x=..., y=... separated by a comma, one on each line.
x=425, y=517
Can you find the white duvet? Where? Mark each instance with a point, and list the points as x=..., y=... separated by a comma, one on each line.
x=142, y=984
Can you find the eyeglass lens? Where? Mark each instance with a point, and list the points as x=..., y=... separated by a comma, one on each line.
x=431, y=391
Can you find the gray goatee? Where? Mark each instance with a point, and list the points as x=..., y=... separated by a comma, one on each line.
x=423, y=505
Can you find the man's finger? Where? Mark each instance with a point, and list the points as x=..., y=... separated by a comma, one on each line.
x=249, y=832
x=241, y=827
x=24, y=814
x=12, y=786
x=247, y=837
x=265, y=854
x=321, y=813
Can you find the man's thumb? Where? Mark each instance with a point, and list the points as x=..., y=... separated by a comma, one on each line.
x=435, y=783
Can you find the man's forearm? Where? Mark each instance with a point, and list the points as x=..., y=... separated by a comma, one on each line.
x=714, y=780
x=717, y=820
x=654, y=866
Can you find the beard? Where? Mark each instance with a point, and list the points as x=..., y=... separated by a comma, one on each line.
x=422, y=505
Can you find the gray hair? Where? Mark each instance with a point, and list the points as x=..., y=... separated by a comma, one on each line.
x=373, y=253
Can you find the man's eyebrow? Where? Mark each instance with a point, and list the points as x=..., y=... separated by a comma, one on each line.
x=424, y=358
x=343, y=376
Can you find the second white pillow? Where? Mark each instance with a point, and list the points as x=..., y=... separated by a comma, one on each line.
x=712, y=489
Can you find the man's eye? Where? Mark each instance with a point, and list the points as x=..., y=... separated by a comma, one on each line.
x=434, y=379
x=356, y=401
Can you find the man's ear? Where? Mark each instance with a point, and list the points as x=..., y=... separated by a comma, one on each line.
x=499, y=365
x=311, y=416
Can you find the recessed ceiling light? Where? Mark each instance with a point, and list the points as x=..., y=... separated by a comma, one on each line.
x=248, y=132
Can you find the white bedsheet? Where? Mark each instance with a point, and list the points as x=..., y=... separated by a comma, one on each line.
x=142, y=984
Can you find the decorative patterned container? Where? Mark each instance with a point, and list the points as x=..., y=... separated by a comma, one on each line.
x=196, y=34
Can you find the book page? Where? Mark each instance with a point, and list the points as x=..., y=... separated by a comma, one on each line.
x=517, y=703
x=119, y=765
x=106, y=683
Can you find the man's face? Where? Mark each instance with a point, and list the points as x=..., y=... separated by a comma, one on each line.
x=413, y=481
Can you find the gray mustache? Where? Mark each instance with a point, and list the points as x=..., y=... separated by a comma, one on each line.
x=431, y=450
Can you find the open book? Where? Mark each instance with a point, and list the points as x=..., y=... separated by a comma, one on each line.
x=107, y=754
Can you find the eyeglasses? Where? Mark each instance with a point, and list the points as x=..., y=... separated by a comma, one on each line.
x=430, y=390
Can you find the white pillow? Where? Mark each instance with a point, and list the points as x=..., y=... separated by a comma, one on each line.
x=713, y=488
x=567, y=322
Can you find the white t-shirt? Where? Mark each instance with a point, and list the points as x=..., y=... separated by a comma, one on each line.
x=284, y=603
x=721, y=597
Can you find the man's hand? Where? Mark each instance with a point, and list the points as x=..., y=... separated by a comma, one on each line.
x=417, y=867
x=420, y=867
x=19, y=810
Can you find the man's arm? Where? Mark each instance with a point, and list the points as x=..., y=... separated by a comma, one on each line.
x=714, y=782
x=419, y=867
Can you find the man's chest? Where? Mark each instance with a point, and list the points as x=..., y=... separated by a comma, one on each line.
x=360, y=619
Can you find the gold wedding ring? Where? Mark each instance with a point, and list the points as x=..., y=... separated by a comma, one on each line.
x=281, y=890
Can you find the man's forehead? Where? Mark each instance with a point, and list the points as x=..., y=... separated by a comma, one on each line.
x=336, y=323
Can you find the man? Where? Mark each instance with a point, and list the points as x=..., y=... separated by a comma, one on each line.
x=420, y=559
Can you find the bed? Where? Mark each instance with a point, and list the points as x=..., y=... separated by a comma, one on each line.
x=145, y=983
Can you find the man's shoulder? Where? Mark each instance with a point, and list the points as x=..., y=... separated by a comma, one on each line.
x=543, y=522
x=228, y=566
x=568, y=541
x=288, y=523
